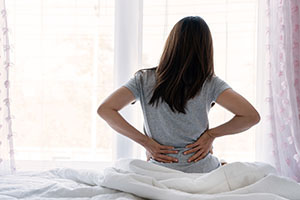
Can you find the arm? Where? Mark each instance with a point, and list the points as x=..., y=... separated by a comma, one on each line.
x=108, y=110
x=245, y=117
x=245, y=114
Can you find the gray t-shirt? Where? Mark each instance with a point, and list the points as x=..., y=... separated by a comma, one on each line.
x=177, y=129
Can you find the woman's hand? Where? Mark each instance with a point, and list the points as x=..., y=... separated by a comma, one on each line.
x=148, y=154
x=202, y=146
x=157, y=151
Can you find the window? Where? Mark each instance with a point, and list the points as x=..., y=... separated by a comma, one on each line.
x=63, y=58
x=63, y=54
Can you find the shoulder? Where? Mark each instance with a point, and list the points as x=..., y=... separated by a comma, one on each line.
x=146, y=70
x=146, y=74
x=214, y=81
x=215, y=86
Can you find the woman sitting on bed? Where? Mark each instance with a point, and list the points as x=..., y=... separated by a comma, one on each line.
x=176, y=97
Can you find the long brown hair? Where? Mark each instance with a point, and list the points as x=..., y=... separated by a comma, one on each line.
x=185, y=64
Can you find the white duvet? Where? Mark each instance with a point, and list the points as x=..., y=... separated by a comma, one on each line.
x=138, y=179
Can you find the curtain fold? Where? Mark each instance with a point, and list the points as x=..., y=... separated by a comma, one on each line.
x=278, y=136
x=7, y=162
x=128, y=58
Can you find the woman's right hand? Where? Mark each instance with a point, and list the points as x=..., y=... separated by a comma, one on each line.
x=157, y=151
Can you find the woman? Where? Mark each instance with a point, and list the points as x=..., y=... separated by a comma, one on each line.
x=176, y=97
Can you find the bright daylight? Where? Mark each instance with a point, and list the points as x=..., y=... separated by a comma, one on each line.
x=98, y=97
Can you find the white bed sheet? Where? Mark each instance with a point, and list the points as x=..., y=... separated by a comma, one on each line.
x=137, y=179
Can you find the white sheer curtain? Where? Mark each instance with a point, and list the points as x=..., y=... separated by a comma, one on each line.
x=278, y=136
x=7, y=162
x=63, y=53
x=71, y=54
x=128, y=56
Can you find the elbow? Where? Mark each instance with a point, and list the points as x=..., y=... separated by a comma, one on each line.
x=255, y=118
x=105, y=111
x=101, y=111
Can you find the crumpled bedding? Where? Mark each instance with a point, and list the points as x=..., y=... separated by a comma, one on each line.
x=137, y=179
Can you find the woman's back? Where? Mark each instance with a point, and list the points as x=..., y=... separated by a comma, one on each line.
x=177, y=129
x=176, y=98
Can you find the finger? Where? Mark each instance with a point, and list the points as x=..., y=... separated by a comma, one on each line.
x=168, y=151
x=166, y=147
x=191, y=150
x=195, y=156
x=162, y=160
x=201, y=157
x=169, y=158
x=191, y=145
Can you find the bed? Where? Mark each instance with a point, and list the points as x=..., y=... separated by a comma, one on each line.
x=137, y=179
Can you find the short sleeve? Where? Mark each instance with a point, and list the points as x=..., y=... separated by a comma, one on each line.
x=134, y=86
x=217, y=86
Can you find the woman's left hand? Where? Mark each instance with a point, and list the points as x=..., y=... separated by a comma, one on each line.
x=202, y=146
